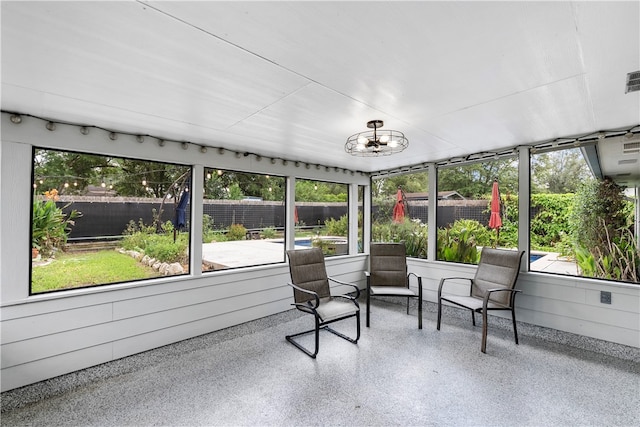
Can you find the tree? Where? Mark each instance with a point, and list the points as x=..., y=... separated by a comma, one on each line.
x=318, y=191
x=558, y=172
x=385, y=188
x=68, y=172
x=148, y=179
x=219, y=185
x=475, y=180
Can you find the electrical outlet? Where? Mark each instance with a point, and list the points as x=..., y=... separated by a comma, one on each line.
x=605, y=297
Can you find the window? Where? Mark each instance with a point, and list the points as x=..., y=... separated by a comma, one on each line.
x=399, y=211
x=98, y=220
x=243, y=219
x=464, y=209
x=322, y=218
x=580, y=225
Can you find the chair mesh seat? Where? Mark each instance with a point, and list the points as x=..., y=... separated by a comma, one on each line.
x=392, y=290
x=472, y=302
x=335, y=308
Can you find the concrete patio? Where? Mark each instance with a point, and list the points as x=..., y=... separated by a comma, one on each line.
x=240, y=253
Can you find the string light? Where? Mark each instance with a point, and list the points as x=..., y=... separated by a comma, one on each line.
x=85, y=130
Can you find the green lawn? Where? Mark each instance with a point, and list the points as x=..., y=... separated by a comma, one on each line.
x=87, y=269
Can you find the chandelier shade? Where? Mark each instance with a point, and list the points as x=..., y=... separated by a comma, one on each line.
x=376, y=142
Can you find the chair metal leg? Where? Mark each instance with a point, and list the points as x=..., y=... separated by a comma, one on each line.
x=473, y=317
x=317, y=340
x=368, y=306
x=515, y=328
x=420, y=312
x=317, y=337
x=483, y=347
x=407, y=305
x=439, y=313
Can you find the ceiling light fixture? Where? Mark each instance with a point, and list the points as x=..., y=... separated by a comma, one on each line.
x=376, y=142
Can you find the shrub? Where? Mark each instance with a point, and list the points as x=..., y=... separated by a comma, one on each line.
x=269, y=233
x=50, y=226
x=164, y=249
x=410, y=231
x=143, y=238
x=601, y=222
x=236, y=232
x=551, y=221
x=459, y=242
x=339, y=227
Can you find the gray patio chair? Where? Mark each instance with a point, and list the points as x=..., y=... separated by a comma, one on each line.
x=492, y=288
x=312, y=295
x=388, y=276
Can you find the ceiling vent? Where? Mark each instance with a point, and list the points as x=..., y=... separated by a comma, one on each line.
x=633, y=82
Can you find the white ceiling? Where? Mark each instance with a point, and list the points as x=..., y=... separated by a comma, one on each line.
x=295, y=79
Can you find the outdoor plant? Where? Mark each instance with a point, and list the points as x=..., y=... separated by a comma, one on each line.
x=410, y=231
x=50, y=226
x=601, y=230
x=458, y=243
x=337, y=227
x=164, y=249
x=236, y=232
x=269, y=233
x=327, y=246
x=143, y=238
x=416, y=241
x=551, y=221
x=615, y=261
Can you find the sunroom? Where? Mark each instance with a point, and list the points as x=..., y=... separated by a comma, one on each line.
x=249, y=113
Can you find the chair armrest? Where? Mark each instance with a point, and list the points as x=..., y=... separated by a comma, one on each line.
x=347, y=284
x=485, y=300
x=444, y=279
x=306, y=291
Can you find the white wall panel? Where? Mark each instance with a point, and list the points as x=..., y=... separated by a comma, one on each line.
x=48, y=346
x=28, y=373
x=151, y=340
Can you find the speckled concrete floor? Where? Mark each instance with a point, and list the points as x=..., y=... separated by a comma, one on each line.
x=395, y=375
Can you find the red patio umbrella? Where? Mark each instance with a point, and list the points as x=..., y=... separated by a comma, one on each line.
x=398, y=209
x=495, y=221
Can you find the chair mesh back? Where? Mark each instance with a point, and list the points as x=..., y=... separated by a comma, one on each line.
x=308, y=272
x=388, y=264
x=498, y=268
